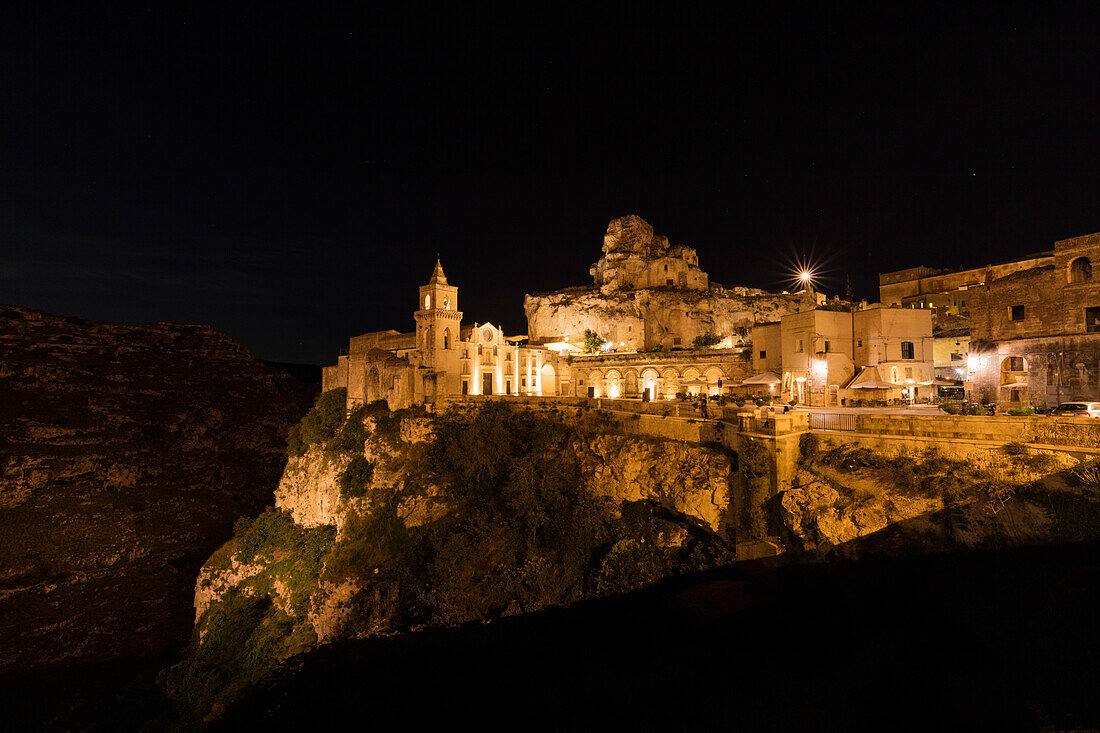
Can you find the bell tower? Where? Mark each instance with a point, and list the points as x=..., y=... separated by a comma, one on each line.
x=437, y=323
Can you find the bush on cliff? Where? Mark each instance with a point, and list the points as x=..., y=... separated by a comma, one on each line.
x=351, y=436
x=756, y=479
x=809, y=445
x=355, y=479
x=320, y=423
x=702, y=341
x=522, y=530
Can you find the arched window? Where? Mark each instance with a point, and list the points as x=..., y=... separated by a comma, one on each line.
x=1080, y=270
x=446, y=338
x=427, y=301
x=894, y=375
x=446, y=303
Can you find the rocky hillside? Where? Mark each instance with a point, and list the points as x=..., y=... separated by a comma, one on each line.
x=126, y=454
x=390, y=522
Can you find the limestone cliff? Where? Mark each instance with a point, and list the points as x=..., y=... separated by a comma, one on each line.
x=647, y=292
x=690, y=482
x=642, y=319
x=126, y=453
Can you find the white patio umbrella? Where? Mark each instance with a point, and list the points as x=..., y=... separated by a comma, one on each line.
x=763, y=378
x=875, y=384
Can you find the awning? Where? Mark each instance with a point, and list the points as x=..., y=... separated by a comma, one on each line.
x=940, y=383
x=1015, y=385
x=763, y=378
x=875, y=384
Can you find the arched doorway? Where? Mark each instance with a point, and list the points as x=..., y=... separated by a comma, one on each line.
x=650, y=380
x=630, y=387
x=549, y=380
x=612, y=384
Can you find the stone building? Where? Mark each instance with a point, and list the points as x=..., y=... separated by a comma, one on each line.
x=442, y=357
x=1035, y=333
x=947, y=292
x=829, y=356
x=660, y=376
x=647, y=293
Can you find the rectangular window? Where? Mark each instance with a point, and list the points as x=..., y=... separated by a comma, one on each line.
x=465, y=387
x=763, y=354
x=826, y=347
x=630, y=328
x=955, y=356
x=906, y=349
x=859, y=343
x=676, y=341
x=799, y=349
x=1092, y=319
x=1016, y=313
x=508, y=387
x=523, y=381
x=1015, y=363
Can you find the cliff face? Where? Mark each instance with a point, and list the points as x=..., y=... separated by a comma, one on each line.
x=647, y=317
x=126, y=454
x=646, y=292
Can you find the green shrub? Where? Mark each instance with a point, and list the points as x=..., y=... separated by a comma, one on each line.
x=808, y=447
x=352, y=435
x=355, y=479
x=756, y=476
x=951, y=408
x=592, y=341
x=851, y=458
x=320, y=423
x=1088, y=475
x=631, y=564
x=1021, y=411
x=704, y=340
x=295, y=446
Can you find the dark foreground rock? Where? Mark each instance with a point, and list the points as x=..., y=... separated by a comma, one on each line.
x=126, y=454
x=975, y=640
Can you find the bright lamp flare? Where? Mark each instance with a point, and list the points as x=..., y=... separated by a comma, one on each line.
x=805, y=276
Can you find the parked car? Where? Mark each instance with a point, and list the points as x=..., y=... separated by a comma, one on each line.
x=1077, y=409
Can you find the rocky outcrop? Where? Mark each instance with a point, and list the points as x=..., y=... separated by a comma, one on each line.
x=648, y=292
x=815, y=513
x=633, y=257
x=687, y=479
x=215, y=581
x=645, y=318
x=126, y=454
x=308, y=488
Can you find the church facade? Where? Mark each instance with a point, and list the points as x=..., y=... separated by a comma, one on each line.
x=442, y=357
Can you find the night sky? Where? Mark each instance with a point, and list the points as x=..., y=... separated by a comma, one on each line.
x=287, y=175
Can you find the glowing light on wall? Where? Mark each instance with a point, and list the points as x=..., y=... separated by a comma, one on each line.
x=613, y=391
x=972, y=363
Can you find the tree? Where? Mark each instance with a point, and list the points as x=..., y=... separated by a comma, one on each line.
x=592, y=340
x=704, y=340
